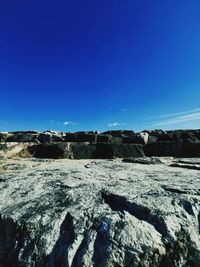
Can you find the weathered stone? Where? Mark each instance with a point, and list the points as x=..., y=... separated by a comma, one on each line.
x=80, y=137
x=178, y=143
x=3, y=137
x=116, y=140
x=14, y=149
x=49, y=137
x=144, y=160
x=22, y=137
x=103, y=138
x=120, y=133
x=174, y=149
x=175, y=136
x=31, y=136
x=110, y=151
x=140, y=138
x=106, y=151
x=24, y=132
x=51, y=150
x=83, y=151
x=59, y=213
x=162, y=136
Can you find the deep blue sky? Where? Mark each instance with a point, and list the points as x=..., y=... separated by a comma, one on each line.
x=99, y=64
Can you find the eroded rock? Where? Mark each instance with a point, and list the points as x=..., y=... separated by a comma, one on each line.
x=111, y=144
x=172, y=149
x=144, y=160
x=61, y=213
x=51, y=150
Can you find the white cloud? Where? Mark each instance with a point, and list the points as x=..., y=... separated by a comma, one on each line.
x=179, y=119
x=69, y=123
x=175, y=114
x=66, y=122
x=114, y=124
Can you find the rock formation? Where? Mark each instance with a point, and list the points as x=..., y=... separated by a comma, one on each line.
x=122, y=204
x=110, y=144
x=59, y=213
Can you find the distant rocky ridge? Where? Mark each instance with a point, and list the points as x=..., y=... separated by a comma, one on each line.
x=109, y=144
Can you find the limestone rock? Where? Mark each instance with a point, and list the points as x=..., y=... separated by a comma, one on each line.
x=110, y=151
x=106, y=151
x=49, y=137
x=144, y=160
x=80, y=137
x=51, y=150
x=83, y=150
x=175, y=136
x=103, y=138
x=58, y=213
x=15, y=149
x=120, y=133
x=174, y=149
x=139, y=138
x=112, y=144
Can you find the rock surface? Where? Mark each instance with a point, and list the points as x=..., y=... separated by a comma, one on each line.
x=59, y=213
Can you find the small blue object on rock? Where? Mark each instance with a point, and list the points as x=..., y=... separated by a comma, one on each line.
x=104, y=227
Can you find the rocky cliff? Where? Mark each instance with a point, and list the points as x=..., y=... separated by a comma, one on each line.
x=94, y=145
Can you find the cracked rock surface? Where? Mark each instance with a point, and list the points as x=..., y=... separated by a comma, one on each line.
x=59, y=213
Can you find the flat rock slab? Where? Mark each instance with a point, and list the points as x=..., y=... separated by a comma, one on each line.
x=57, y=213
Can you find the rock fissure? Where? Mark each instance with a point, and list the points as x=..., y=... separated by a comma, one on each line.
x=122, y=205
x=59, y=255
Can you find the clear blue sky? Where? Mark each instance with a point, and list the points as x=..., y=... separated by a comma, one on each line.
x=99, y=64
